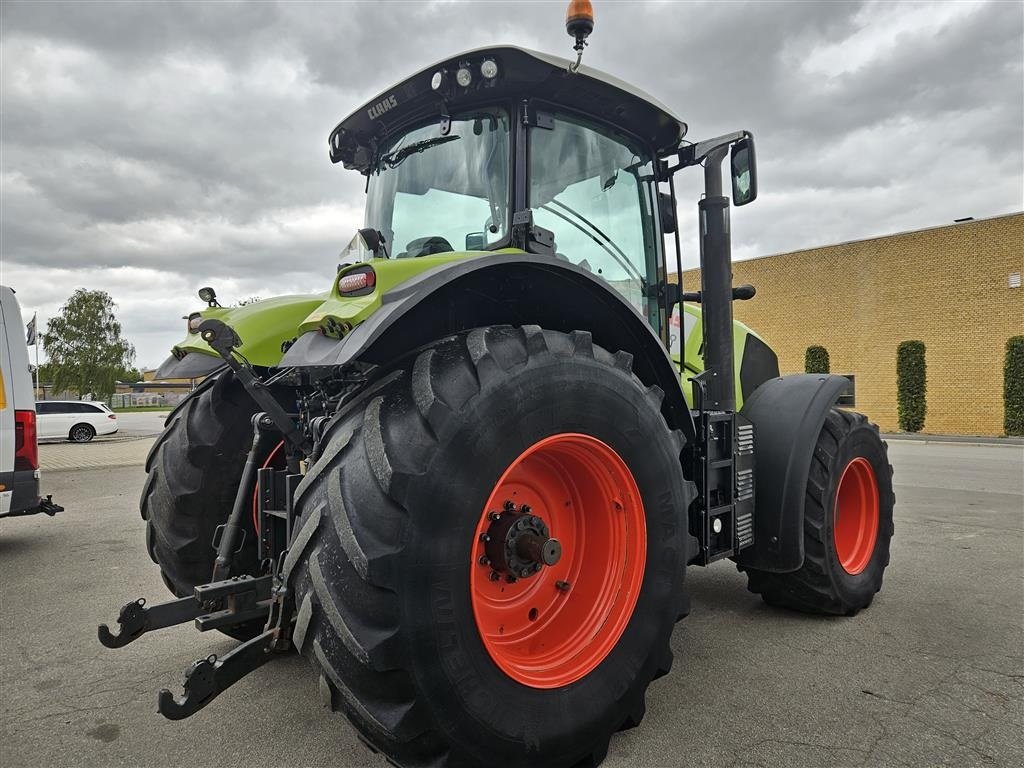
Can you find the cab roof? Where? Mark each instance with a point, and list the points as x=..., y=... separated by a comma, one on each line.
x=521, y=74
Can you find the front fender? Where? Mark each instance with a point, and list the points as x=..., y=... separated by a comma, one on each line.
x=788, y=414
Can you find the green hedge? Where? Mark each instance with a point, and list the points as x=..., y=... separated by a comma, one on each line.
x=816, y=360
x=1013, y=386
x=911, y=377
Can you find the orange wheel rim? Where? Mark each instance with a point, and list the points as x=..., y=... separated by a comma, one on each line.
x=553, y=626
x=856, y=516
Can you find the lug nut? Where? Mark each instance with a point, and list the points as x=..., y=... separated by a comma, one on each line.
x=485, y=560
x=493, y=576
x=509, y=505
x=494, y=516
x=510, y=579
x=485, y=537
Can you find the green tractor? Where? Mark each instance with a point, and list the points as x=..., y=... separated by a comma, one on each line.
x=467, y=479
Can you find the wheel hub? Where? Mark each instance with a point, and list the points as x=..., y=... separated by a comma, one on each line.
x=518, y=543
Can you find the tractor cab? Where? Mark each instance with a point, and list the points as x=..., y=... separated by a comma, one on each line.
x=454, y=152
x=504, y=147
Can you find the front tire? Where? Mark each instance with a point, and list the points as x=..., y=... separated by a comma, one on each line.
x=389, y=557
x=847, y=524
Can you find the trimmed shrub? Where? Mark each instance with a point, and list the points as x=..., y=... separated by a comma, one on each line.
x=911, y=376
x=816, y=360
x=1013, y=386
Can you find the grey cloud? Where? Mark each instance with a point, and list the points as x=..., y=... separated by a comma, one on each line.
x=155, y=147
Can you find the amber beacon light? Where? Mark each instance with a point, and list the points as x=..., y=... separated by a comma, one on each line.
x=579, y=23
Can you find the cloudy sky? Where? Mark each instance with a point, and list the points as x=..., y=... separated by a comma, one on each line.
x=150, y=148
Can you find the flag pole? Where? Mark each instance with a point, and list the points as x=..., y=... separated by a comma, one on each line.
x=37, y=354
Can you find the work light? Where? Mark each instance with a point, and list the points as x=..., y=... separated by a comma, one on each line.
x=489, y=69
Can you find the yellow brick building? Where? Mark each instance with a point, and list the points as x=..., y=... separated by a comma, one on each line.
x=951, y=287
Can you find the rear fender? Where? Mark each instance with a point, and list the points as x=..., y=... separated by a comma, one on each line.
x=499, y=288
x=788, y=414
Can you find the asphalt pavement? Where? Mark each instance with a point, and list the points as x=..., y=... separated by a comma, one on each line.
x=931, y=674
x=140, y=423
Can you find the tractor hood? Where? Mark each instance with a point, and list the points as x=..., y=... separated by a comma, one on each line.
x=265, y=328
x=269, y=327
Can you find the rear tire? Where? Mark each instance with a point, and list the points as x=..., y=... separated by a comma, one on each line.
x=850, y=481
x=194, y=469
x=81, y=433
x=388, y=544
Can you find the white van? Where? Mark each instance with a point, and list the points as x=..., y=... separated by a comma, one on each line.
x=19, y=452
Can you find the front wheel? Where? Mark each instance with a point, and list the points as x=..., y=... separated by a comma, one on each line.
x=81, y=433
x=847, y=523
x=491, y=551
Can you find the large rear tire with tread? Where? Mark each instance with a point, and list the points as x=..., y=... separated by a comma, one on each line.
x=847, y=524
x=194, y=468
x=382, y=563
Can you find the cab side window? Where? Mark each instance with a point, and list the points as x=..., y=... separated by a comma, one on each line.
x=592, y=188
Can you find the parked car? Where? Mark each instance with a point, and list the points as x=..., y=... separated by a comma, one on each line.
x=76, y=420
x=19, y=454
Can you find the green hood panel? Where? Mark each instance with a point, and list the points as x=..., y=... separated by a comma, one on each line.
x=266, y=326
x=263, y=326
x=693, y=340
x=338, y=314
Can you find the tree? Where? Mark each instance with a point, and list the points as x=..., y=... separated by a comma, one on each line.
x=911, y=385
x=816, y=360
x=129, y=375
x=1013, y=386
x=84, y=345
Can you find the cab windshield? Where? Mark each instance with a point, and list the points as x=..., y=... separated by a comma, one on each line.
x=433, y=192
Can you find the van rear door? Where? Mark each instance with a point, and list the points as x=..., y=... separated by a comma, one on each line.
x=19, y=453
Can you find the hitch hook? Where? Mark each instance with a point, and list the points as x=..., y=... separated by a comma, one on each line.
x=132, y=620
x=206, y=678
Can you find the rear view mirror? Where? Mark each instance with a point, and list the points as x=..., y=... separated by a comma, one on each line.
x=744, y=172
x=667, y=212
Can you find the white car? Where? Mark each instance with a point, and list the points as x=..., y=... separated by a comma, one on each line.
x=76, y=420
